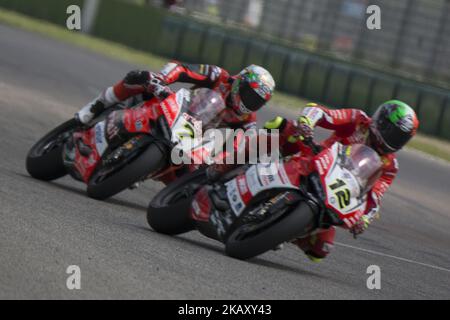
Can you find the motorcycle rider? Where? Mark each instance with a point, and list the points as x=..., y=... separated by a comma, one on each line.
x=393, y=124
x=244, y=94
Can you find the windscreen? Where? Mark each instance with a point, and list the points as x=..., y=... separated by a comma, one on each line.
x=364, y=163
x=206, y=105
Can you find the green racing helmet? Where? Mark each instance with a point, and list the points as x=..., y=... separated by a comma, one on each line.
x=393, y=124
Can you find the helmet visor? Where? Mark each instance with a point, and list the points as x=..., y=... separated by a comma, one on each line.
x=391, y=135
x=249, y=98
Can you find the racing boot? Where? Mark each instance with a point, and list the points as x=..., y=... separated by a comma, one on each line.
x=318, y=244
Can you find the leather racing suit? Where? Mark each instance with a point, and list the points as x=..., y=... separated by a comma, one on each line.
x=350, y=126
x=138, y=86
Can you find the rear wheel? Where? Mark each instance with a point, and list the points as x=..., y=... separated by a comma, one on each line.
x=168, y=212
x=45, y=159
x=106, y=182
x=242, y=244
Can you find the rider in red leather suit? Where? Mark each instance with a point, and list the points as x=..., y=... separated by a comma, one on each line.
x=392, y=125
x=243, y=93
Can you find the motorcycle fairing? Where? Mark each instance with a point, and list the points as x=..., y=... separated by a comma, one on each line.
x=343, y=194
x=258, y=178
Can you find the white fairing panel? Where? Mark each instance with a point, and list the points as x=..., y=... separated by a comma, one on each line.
x=186, y=131
x=342, y=188
x=267, y=176
x=343, y=192
x=258, y=178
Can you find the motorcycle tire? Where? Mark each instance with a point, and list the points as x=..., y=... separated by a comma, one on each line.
x=168, y=212
x=150, y=160
x=294, y=224
x=48, y=164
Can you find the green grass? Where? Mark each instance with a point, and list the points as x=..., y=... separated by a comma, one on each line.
x=430, y=145
x=107, y=48
x=288, y=101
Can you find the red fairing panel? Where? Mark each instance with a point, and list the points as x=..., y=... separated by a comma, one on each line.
x=86, y=165
x=296, y=167
x=134, y=120
x=170, y=109
x=323, y=161
x=201, y=207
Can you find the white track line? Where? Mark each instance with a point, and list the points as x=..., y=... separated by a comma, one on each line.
x=393, y=257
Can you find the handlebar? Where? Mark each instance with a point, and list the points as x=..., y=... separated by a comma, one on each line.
x=316, y=148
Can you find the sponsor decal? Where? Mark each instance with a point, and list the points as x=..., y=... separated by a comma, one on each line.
x=111, y=129
x=100, y=141
x=319, y=167
x=196, y=208
x=166, y=112
x=325, y=161
x=359, y=136
x=193, y=121
x=332, y=200
x=168, y=68
x=253, y=180
x=138, y=125
x=242, y=185
x=182, y=95
x=215, y=74
x=234, y=197
x=217, y=223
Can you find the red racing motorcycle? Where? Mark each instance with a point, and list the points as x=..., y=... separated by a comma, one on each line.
x=255, y=208
x=176, y=125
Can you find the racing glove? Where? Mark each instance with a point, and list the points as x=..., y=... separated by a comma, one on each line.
x=303, y=130
x=152, y=83
x=363, y=223
x=305, y=127
x=157, y=86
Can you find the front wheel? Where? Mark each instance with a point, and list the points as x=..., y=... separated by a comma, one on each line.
x=168, y=212
x=45, y=159
x=298, y=222
x=104, y=184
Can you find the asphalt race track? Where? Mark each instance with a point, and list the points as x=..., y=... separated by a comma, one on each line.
x=45, y=227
